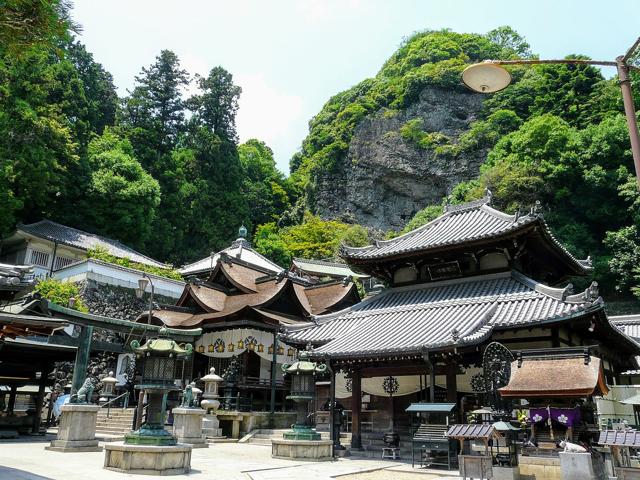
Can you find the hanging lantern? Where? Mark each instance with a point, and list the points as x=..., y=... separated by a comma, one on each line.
x=271, y=349
x=240, y=344
x=231, y=347
x=201, y=349
x=291, y=352
x=211, y=348
x=260, y=348
x=280, y=350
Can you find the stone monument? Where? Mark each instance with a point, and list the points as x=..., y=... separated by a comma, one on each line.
x=77, y=430
x=210, y=403
x=151, y=449
x=187, y=420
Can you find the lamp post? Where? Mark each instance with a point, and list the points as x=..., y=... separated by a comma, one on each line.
x=490, y=76
x=142, y=287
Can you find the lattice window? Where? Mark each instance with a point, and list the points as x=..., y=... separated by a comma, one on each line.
x=62, y=262
x=39, y=258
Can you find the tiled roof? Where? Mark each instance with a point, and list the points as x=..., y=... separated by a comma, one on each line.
x=240, y=249
x=440, y=314
x=55, y=232
x=459, y=224
x=629, y=324
x=319, y=267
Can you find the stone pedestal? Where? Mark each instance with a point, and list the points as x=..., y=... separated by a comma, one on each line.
x=148, y=459
x=576, y=466
x=211, y=426
x=301, y=449
x=77, y=431
x=187, y=426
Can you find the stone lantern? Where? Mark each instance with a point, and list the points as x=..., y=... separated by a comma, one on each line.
x=151, y=449
x=108, y=390
x=109, y=386
x=303, y=382
x=160, y=355
x=210, y=402
x=302, y=441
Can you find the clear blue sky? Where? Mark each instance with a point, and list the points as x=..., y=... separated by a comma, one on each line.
x=291, y=56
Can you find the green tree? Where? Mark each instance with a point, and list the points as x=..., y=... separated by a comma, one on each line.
x=37, y=147
x=25, y=25
x=154, y=113
x=122, y=197
x=217, y=105
x=264, y=187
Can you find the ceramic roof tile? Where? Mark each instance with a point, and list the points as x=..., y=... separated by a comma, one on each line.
x=73, y=237
x=458, y=225
x=453, y=312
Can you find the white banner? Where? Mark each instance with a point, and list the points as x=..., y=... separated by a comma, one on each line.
x=407, y=384
x=227, y=343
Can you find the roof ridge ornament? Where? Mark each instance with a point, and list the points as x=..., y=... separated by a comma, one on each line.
x=536, y=209
x=486, y=200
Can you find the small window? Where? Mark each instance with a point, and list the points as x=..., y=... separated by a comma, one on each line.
x=62, y=262
x=39, y=258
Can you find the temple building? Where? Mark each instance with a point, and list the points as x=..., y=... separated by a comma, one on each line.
x=241, y=301
x=472, y=277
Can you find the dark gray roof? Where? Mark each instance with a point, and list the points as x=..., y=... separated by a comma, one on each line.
x=459, y=224
x=55, y=232
x=467, y=430
x=440, y=314
x=629, y=324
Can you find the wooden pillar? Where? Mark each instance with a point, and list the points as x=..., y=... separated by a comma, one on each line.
x=40, y=401
x=274, y=357
x=432, y=382
x=12, y=399
x=452, y=384
x=356, y=407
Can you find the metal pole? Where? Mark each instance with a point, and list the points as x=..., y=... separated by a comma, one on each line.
x=630, y=112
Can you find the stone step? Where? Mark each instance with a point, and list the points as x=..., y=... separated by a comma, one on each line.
x=260, y=441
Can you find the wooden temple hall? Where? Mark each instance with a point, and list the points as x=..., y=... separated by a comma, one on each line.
x=471, y=278
x=242, y=301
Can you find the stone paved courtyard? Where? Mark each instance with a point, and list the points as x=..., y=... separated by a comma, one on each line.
x=26, y=459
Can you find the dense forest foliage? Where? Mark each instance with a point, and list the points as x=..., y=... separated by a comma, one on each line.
x=163, y=171
x=557, y=135
x=155, y=170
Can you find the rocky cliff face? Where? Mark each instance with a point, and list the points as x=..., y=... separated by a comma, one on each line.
x=386, y=177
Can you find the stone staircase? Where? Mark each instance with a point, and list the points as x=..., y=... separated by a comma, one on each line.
x=116, y=425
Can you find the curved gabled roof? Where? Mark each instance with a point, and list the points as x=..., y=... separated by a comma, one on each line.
x=440, y=314
x=240, y=249
x=458, y=225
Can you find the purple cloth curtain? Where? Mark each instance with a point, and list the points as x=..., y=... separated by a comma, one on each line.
x=537, y=415
x=568, y=417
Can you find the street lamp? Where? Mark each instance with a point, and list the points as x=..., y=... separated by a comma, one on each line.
x=490, y=76
x=142, y=287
